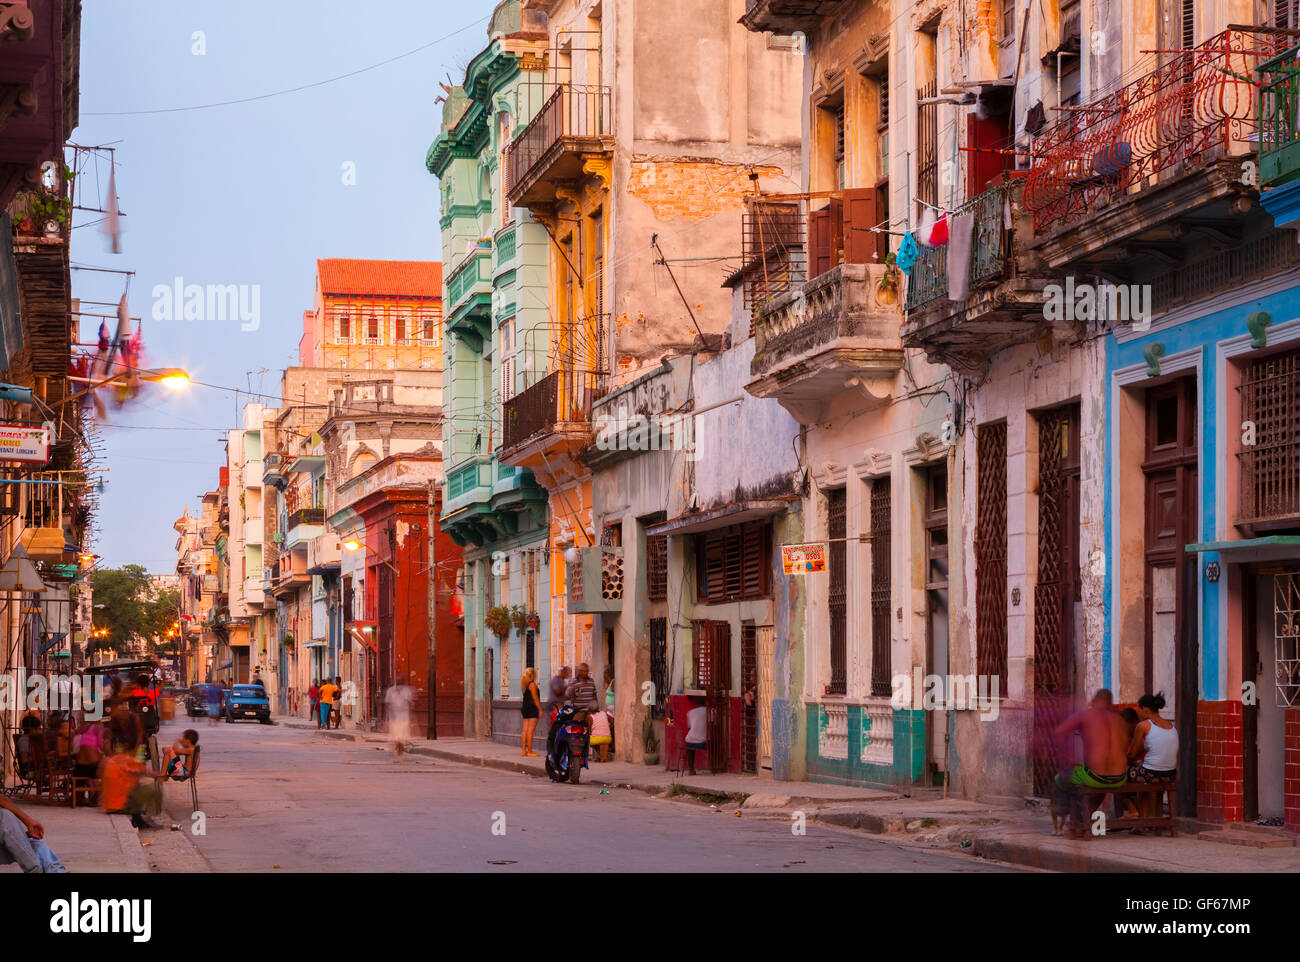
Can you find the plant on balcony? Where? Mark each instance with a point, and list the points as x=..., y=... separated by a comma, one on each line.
x=887, y=289
x=497, y=620
x=534, y=620
x=287, y=640
x=519, y=616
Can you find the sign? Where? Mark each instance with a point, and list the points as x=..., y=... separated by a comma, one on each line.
x=798, y=559
x=18, y=443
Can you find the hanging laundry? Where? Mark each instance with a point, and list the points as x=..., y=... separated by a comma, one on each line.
x=112, y=220
x=959, y=251
x=907, y=253
x=103, y=336
x=934, y=228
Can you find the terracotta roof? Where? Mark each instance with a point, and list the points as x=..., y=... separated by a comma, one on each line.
x=346, y=276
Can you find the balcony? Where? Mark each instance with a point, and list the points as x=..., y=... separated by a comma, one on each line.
x=1004, y=305
x=484, y=498
x=252, y=473
x=554, y=415
x=573, y=127
x=289, y=574
x=324, y=554
x=811, y=340
x=1146, y=174
x=469, y=298
x=273, y=470
x=254, y=591
x=787, y=16
x=1279, y=138
x=254, y=531
x=303, y=525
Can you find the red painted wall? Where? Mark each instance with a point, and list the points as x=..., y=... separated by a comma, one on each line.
x=675, y=733
x=1291, y=772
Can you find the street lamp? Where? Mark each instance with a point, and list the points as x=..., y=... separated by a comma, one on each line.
x=172, y=377
x=352, y=544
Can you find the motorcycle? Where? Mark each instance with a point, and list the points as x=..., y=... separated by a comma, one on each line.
x=566, y=746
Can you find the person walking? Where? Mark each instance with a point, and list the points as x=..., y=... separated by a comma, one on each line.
x=313, y=694
x=559, y=686
x=531, y=711
x=397, y=708
x=328, y=692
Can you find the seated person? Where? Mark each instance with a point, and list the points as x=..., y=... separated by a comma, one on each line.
x=1104, y=761
x=31, y=727
x=124, y=790
x=697, y=727
x=22, y=841
x=178, y=760
x=88, y=752
x=602, y=734
x=1153, y=752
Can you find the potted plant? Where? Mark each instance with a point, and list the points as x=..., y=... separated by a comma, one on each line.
x=497, y=620
x=534, y=620
x=287, y=640
x=650, y=741
x=887, y=289
x=519, y=616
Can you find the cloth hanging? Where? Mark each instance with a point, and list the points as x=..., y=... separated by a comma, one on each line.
x=934, y=228
x=959, y=250
x=907, y=253
x=112, y=219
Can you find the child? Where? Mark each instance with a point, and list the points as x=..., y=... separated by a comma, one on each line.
x=180, y=757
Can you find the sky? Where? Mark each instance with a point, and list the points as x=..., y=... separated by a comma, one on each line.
x=248, y=194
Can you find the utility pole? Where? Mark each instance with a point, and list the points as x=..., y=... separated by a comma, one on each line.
x=431, y=725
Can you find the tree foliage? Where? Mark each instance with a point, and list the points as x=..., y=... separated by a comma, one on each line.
x=129, y=609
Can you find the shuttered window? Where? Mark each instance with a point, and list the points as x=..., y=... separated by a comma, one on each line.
x=732, y=563
x=656, y=550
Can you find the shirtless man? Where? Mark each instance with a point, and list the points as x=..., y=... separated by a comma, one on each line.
x=1105, y=754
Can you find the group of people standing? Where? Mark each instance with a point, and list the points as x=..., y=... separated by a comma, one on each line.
x=580, y=691
x=325, y=702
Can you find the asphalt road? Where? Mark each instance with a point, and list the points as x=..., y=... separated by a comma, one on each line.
x=280, y=799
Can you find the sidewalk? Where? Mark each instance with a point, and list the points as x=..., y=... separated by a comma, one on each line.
x=87, y=840
x=1017, y=835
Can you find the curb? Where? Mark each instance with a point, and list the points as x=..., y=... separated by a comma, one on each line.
x=128, y=840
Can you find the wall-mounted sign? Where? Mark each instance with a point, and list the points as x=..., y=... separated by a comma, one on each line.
x=29, y=445
x=799, y=559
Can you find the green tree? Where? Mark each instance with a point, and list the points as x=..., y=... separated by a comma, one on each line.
x=128, y=612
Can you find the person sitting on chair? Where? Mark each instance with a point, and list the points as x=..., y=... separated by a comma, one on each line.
x=697, y=727
x=179, y=758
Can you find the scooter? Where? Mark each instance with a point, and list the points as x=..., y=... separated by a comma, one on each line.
x=567, y=743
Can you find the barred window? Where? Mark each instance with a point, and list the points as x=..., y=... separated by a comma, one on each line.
x=656, y=550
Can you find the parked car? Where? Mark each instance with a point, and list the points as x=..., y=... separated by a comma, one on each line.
x=196, y=702
x=248, y=701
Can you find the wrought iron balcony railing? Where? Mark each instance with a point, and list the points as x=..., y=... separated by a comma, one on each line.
x=1197, y=104
x=562, y=398
x=306, y=516
x=990, y=247
x=1279, y=112
x=574, y=112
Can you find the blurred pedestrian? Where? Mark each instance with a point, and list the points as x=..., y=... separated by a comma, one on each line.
x=313, y=694
x=336, y=716
x=327, y=694
x=397, y=707
x=559, y=685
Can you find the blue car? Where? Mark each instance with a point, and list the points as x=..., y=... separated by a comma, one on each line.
x=248, y=701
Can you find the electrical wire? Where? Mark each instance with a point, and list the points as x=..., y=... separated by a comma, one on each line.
x=287, y=90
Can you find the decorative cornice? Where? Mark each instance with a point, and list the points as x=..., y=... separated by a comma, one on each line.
x=875, y=463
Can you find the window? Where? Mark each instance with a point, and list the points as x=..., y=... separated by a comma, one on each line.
x=1269, y=489
x=731, y=563
x=656, y=552
x=991, y=551
x=1284, y=13
x=399, y=327
x=372, y=330
x=506, y=339
x=345, y=330
x=837, y=572
x=1008, y=19
x=881, y=585
x=658, y=664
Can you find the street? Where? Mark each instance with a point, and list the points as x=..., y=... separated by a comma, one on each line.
x=285, y=799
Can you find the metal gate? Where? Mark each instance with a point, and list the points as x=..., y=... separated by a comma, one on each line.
x=991, y=551
x=713, y=675
x=1056, y=590
x=766, y=679
x=836, y=529
x=749, y=698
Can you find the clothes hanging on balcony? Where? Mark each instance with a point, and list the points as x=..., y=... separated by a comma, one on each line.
x=934, y=227
x=907, y=253
x=961, y=232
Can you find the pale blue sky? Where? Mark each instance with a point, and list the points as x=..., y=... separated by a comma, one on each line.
x=245, y=194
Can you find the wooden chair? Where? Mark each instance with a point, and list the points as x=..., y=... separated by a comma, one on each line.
x=24, y=772
x=193, y=772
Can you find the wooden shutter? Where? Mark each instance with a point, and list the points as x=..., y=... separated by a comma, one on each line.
x=754, y=553
x=507, y=378
x=656, y=550
x=859, y=218
x=819, y=242
x=711, y=566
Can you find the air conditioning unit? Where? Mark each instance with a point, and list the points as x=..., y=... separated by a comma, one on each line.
x=595, y=580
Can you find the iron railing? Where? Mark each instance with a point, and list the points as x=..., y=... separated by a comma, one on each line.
x=990, y=247
x=1279, y=111
x=573, y=110
x=1196, y=102
x=306, y=516
x=563, y=397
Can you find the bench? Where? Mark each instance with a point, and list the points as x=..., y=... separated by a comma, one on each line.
x=1164, y=792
